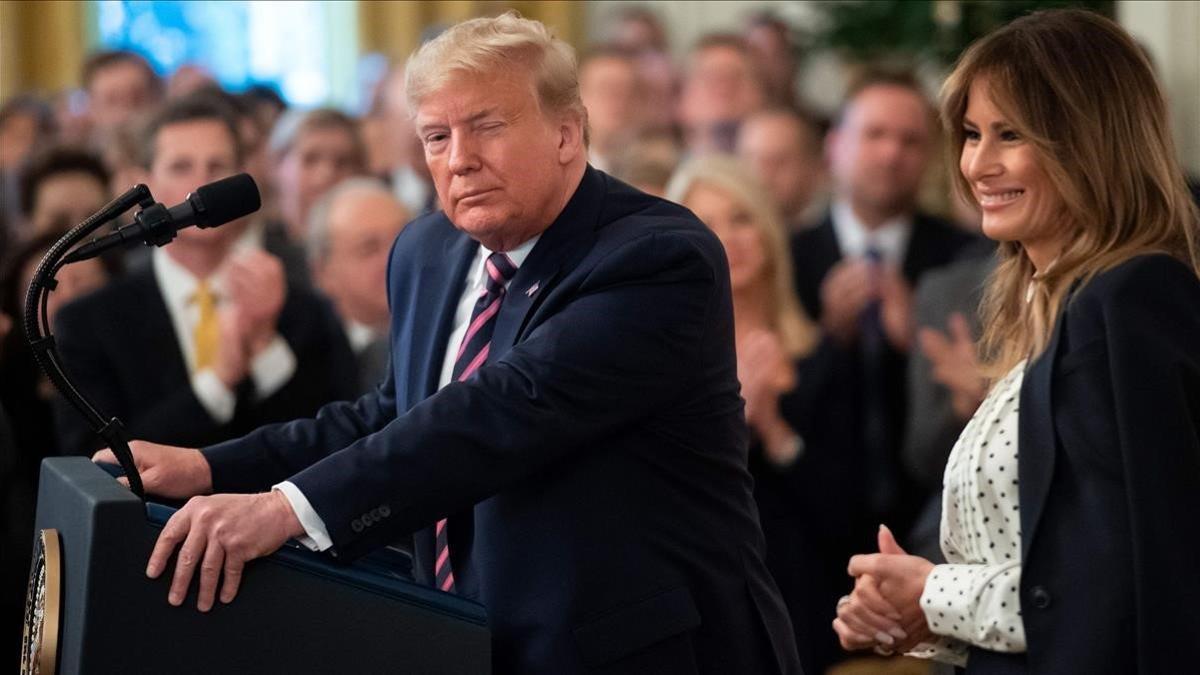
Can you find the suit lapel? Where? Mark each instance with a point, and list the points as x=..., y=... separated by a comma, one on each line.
x=828, y=249
x=434, y=296
x=560, y=248
x=814, y=254
x=1036, y=437
x=917, y=257
x=438, y=292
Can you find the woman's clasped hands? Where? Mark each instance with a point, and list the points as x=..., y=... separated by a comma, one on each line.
x=883, y=611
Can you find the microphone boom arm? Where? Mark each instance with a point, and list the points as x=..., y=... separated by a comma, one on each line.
x=41, y=340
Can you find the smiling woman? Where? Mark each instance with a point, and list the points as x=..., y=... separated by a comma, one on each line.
x=1061, y=498
x=1017, y=198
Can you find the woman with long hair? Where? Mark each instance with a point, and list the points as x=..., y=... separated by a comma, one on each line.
x=795, y=407
x=1068, y=514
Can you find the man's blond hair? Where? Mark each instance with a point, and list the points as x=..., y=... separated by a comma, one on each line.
x=497, y=44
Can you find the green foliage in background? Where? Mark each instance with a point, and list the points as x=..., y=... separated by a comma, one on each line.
x=924, y=30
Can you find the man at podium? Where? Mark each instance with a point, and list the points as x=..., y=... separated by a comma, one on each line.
x=561, y=426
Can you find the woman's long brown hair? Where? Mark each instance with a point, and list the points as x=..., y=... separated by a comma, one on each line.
x=1078, y=88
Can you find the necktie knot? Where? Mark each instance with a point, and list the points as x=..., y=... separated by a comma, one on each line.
x=203, y=296
x=500, y=270
x=873, y=254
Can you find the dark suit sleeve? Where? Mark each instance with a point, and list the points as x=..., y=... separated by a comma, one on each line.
x=619, y=351
x=272, y=453
x=90, y=359
x=1151, y=319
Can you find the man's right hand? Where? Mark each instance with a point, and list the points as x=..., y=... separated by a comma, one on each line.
x=845, y=292
x=167, y=471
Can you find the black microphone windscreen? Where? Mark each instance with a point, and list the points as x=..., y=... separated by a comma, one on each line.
x=227, y=199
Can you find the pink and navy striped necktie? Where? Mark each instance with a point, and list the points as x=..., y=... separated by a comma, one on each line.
x=473, y=353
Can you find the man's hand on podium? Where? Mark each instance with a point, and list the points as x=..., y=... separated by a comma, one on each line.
x=167, y=471
x=221, y=534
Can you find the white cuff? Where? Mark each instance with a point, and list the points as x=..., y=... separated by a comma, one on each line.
x=273, y=367
x=793, y=450
x=316, y=537
x=979, y=604
x=212, y=393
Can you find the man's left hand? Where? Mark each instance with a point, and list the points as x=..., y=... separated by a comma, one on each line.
x=896, y=308
x=258, y=288
x=221, y=534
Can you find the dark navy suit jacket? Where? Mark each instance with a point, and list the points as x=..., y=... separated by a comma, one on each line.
x=593, y=471
x=1109, y=481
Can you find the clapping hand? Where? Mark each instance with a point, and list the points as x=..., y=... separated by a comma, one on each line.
x=956, y=364
x=847, y=289
x=258, y=288
x=766, y=373
x=896, y=308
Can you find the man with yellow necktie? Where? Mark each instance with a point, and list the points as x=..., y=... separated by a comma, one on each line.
x=207, y=342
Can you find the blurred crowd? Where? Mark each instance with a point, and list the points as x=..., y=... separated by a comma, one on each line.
x=854, y=307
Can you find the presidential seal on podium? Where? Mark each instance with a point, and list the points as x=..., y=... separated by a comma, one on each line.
x=39, y=646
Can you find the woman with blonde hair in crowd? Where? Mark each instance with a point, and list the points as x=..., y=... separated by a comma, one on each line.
x=795, y=409
x=1069, y=500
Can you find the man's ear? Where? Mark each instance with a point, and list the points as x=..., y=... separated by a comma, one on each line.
x=570, y=137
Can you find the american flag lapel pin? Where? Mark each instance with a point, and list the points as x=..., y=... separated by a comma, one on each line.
x=532, y=290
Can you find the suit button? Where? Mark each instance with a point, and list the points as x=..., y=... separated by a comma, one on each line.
x=356, y=525
x=1040, y=597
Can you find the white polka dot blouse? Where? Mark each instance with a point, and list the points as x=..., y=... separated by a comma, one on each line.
x=974, y=599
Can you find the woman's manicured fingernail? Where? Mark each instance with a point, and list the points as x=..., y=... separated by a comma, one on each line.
x=897, y=633
x=884, y=638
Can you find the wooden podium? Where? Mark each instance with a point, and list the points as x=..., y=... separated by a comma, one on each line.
x=94, y=610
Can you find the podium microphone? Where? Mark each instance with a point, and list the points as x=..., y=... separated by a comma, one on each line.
x=209, y=206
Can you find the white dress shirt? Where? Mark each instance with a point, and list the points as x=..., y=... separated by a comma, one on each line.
x=854, y=238
x=316, y=535
x=359, y=335
x=974, y=600
x=270, y=369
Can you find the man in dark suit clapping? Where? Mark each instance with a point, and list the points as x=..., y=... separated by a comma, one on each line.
x=856, y=270
x=207, y=341
x=561, y=426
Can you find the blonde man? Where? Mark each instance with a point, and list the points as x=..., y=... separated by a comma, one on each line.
x=561, y=425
